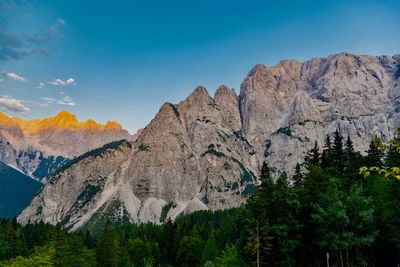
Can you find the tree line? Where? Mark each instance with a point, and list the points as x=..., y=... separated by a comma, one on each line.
x=327, y=213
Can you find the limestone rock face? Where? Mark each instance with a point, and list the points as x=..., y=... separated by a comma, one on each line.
x=287, y=107
x=186, y=159
x=206, y=152
x=37, y=147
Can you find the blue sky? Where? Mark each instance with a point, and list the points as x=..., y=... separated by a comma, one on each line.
x=122, y=60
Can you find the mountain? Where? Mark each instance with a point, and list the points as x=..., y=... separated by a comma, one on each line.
x=17, y=190
x=206, y=152
x=38, y=147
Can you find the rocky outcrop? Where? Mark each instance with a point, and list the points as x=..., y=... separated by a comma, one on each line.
x=186, y=159
x=286, y=107
x=205, y=152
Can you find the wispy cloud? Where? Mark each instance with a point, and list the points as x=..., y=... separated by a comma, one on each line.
x=40, y=85
x=13, y=76
x=14, y=105
x=46, y=101
x=52, y=32
x=59, y=82
x=66, y=100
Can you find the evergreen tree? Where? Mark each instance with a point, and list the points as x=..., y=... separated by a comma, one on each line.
x=258, y=242
x=107, y=249
x=137, y=251
x=188, y=251
x=338, y=156
x=392, y=157
x=349, y=149
x=313, y=157
x=60, y=238
x=326, y=157
x=229, y=258
x=298, y=176
x=210, y=251
x=75, y=253
x=168, y=243
x=353, y=160
x=375, y=153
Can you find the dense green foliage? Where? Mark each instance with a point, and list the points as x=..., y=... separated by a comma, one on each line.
x=326, y=208
x=16, y=191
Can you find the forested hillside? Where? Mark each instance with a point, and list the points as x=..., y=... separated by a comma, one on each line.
x=328, y=207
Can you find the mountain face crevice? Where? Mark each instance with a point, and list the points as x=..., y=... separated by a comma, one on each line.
x=206, y=152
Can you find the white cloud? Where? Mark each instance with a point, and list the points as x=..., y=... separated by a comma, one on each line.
x=70, y=81
x=49, y=99
x=40, y=85
x=59, y=82
x=13, y=76
x=66, y=100
x=13, y=104
x=46, y=101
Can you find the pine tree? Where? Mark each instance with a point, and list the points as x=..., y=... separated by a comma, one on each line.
x=313, y=157
x=298, y=176
x=338, y=156
x=352, y=159
x=210, y=250
x=188, y=251
x=107, y=249
x=375, y=153
x=61, y=237
x=259, y=241
x=392, y=157
x=349, y=147
x=326, y=158
x=229, y=257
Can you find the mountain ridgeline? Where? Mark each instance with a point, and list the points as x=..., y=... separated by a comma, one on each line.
x=206, y=152
x=38, y=147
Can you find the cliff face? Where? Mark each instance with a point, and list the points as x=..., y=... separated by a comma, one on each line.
x=37, y=147
x=286, y=107
x=206, y=152
x=191, y=156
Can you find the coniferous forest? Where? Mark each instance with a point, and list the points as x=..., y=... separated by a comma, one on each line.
x=332, y=212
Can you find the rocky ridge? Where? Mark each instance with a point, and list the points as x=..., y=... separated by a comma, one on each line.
x=38, y=147
x=205, y=152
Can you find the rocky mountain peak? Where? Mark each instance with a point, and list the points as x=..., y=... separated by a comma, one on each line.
x=227, y=101
x=113, y=125
x=63, y=120
x=224, y=92
x=200, y=94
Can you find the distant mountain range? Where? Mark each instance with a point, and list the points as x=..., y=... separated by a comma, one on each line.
x=16, y=191
x=206, y=152
x=38, y=147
